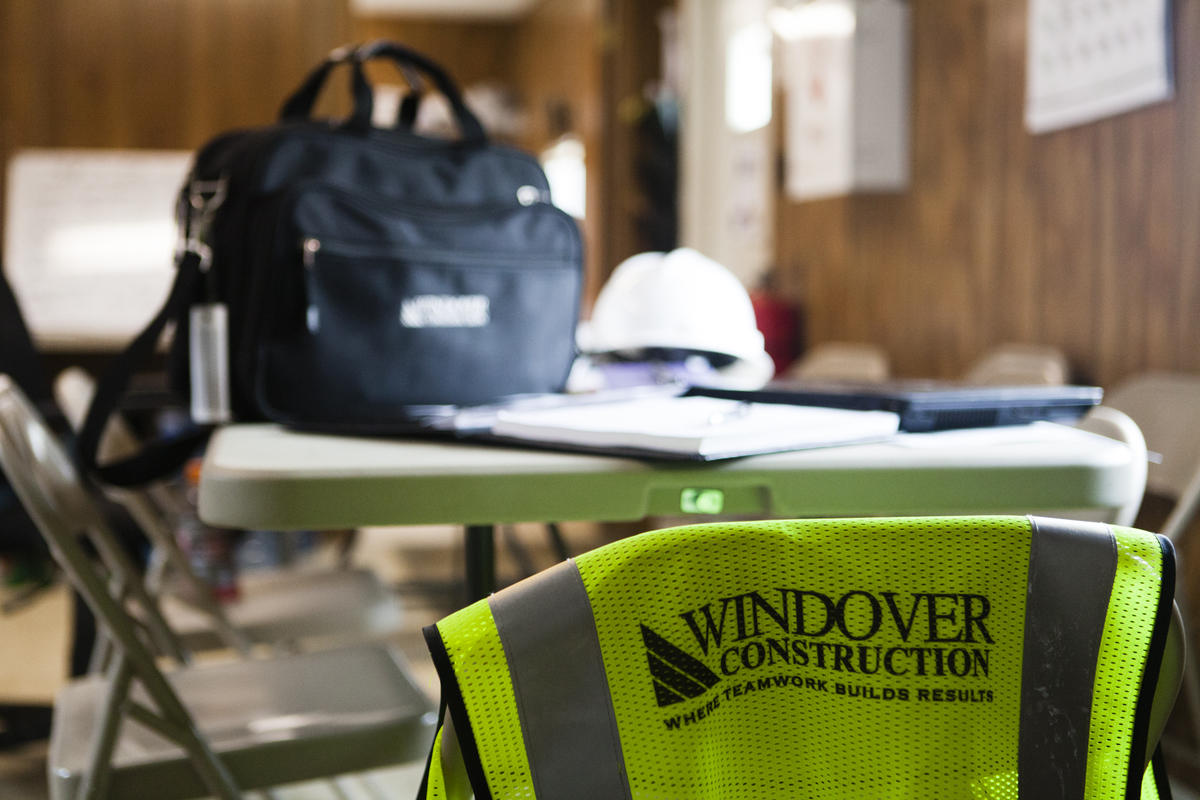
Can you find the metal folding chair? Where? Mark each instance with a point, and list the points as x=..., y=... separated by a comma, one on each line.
x=842, y=361
x=1166, y=407
x=1020, y=364
x=137, y=731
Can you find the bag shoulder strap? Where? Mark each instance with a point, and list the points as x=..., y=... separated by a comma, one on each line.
x=161, y=456
x=18, y=355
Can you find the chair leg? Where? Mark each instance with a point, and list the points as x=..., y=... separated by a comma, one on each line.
x=345, y=548
x=156, y=571
x=520, y=553
x=557, y=541
x=212, y=772
x=101, y=651
x=95, y=779
x=167, y=552
x=481, y=561
x=95, y=782
x=372, y=787
x=1191, y=685
x=335, y=786
x=173, y=723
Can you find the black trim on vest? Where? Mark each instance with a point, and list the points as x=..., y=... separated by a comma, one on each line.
x=1159, y=768
x=452, y=697
x=1154, y=656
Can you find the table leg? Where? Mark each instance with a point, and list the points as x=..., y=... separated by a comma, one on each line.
x=481, y=561
x=557, y=541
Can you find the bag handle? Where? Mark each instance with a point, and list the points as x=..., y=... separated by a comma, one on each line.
x=300, y=104
x=469, y=126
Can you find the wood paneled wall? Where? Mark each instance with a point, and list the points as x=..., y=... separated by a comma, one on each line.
x=471, y=51
x=556, y=59
x=152, y=74
x=633, y=55
x=596, y=56
x=144, y=73
x=155, y=74
x=1087, y=238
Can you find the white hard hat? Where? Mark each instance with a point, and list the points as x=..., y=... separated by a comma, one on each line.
x=681, y=300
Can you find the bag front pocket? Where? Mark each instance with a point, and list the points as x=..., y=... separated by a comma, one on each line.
x=375, y=325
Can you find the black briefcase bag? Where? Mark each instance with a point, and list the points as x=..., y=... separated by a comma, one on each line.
x=336, y=276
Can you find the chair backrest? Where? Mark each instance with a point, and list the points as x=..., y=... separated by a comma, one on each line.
x=842, y=361
x=1166, y=406
x=902, y=658
x=154, y=508
x=20, y=360
x=1020, y=364
x=48, y=485
x=44, y=478
x=1114, y=424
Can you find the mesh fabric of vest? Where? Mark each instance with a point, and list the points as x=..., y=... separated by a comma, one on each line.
x=477, y=656
x=820, y=659
x=819, y=715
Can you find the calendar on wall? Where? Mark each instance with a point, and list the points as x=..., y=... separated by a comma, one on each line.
x=1089, y=59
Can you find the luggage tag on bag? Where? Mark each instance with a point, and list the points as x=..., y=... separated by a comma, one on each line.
x=208, y=357
x=208, y=323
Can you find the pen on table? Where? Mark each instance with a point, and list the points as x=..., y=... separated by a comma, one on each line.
x=737, y=411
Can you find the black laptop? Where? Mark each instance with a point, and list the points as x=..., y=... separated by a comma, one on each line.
x=930, y=405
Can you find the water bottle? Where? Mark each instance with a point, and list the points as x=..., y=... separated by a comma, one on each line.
x=211, y=551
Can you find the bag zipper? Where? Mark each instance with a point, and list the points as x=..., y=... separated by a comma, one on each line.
x=423, y=210
x=312, y=246
x=410, y=210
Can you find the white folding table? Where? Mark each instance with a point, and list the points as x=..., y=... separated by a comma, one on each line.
x=263, y=476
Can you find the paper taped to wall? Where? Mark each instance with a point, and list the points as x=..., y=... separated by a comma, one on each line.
x=1089, y=59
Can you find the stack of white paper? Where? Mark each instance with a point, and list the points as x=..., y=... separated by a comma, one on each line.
x=697, y=427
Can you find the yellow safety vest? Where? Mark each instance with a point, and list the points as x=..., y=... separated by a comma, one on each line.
x=985, y=658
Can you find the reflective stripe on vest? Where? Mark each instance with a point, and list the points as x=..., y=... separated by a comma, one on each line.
x=567, y=719
x=1071, y=570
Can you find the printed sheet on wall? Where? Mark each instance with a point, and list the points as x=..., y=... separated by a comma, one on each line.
x=1089, y=59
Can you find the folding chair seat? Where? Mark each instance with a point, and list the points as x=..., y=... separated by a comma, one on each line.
x=982, y=657
x=268, y=722
x=275, y=606
x=307, y=607
x=200, y=730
